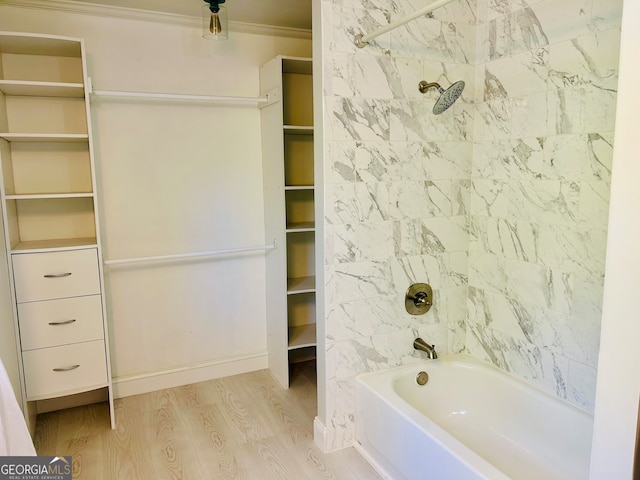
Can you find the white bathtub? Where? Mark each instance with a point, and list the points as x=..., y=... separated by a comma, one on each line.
x=470, y=421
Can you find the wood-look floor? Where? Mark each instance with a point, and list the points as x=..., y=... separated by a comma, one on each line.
x=240, y=427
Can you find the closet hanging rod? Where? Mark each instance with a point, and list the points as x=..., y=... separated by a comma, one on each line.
x=211, y=253
x=362, y=40
x=176, y=96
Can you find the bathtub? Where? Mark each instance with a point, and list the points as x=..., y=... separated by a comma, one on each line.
x=469, y=421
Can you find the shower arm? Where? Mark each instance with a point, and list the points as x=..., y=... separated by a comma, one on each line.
x=425, y=86
x=362, y=39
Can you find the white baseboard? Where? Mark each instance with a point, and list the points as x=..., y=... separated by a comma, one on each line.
x=320, y=435
x=200, y=372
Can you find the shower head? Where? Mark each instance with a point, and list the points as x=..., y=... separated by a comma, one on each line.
x=447, y=97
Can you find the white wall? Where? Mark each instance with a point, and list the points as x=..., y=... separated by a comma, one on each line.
x=175, y=178
x=618, y=387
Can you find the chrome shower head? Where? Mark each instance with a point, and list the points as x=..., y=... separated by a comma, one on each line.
x=447, y=97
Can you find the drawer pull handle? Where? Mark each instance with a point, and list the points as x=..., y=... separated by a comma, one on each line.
x=57, y=275
x=66, y=369
x=66, y=322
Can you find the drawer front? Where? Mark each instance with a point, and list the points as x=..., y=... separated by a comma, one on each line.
x=60, y=322
x=45, y=276
x=55, y=371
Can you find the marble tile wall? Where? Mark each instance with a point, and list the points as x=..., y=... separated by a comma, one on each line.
x=500, y=203
x=397, y=191
x=545, y=109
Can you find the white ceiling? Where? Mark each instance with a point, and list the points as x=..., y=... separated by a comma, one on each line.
x=280, y=13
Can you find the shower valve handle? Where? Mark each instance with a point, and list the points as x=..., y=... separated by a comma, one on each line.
x=418, y=299
x=421, y=299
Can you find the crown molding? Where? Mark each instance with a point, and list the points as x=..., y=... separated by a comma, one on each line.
x=86, y=8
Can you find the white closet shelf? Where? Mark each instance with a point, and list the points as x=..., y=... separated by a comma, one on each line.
x=50, y=245
x=45, y=137
x=299, y=187
x=41, y=89
x=302, y=336
x=298, y=129
x=48, y=196
x=40, y=44
x=301, y=285
x=301, y=227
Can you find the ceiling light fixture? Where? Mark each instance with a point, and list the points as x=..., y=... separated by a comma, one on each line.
x=215, y=21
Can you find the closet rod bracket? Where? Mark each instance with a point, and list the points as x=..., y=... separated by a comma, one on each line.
x=273, y=96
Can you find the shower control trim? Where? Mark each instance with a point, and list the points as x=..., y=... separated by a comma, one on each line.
x=418, y=299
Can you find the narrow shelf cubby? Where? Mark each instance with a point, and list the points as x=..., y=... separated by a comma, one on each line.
x=300, y=254
x=44, y=167
x=299, y=206
x=45, y=115
x=301, y=314
x=51, y=222
x=297, y=87
x=298, y=159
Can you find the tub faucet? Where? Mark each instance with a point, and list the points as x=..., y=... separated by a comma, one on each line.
x=420, y=344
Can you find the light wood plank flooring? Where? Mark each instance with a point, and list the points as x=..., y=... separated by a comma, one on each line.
x=240, y=427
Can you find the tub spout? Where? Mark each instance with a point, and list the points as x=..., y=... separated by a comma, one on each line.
x=430, y=350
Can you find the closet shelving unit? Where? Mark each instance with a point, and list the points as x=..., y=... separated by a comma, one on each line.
x=288, y=170
x=49, y=218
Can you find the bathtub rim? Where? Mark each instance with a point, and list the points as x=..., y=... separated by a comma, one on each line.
x=468, y=361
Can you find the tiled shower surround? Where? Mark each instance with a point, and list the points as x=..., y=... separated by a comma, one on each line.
x=500, y=203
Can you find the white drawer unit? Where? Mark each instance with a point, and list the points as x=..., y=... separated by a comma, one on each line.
x=49, y=223
x=49, y=275
x=60, y=322
x=57, y=371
